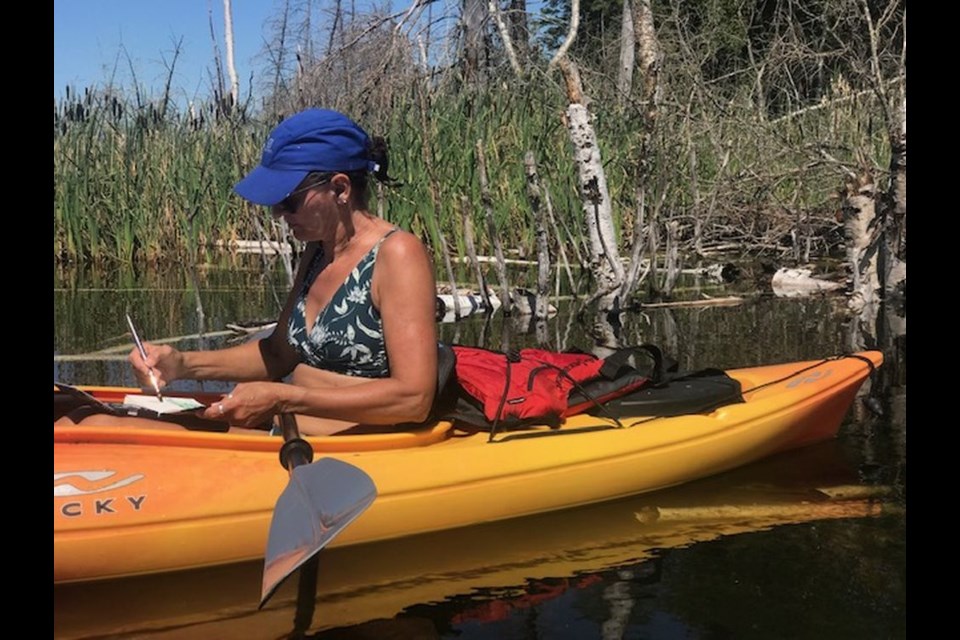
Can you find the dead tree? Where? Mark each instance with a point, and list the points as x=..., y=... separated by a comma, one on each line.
x=605, y=263
x=627, y=55
x=650, y=56
x=540, y=220
x=893, y=203
x=863, y=236
x=487, y=199
x=228, y=41
x=504, y=30
x=466, y=217
x=473, y=19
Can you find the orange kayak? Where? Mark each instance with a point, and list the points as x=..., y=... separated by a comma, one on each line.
x=131, y=501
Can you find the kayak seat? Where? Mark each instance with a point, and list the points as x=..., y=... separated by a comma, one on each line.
x=446, y=362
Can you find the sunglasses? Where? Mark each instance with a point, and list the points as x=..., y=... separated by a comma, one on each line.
x=292, y=202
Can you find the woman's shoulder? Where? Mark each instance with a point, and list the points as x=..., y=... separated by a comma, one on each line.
x=402, y=254
x=398, y=243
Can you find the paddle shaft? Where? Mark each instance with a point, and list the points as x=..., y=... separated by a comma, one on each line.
x=320, y=499
x=295, y=452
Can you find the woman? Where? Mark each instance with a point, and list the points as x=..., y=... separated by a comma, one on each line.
x=356, y=341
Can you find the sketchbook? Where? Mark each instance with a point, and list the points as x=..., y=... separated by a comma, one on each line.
x=167, y=405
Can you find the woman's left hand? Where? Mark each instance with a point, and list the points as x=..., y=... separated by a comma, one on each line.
x=250, y=404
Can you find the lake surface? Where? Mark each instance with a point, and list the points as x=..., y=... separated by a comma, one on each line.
x=809, y=544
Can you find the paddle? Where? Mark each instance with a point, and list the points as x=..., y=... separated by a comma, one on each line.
x=319, y=501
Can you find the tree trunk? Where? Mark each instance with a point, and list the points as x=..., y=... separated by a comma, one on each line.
x=672, y=256
x=228, y=40
x=649, y=55
x=487, y=199
x=540, y=220
x=466, y=213
x=561, y=243
x=502, y=28
x=863, y=240
x=893, y=206
x=895, y=241
x=473, y=17
x=517, y=27
x=561, y=53
x=627, y=55
x=605, y=263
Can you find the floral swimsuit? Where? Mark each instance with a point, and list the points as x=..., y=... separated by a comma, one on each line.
x=347, y=336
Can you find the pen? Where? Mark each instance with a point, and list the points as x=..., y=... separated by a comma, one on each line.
x=143, y=354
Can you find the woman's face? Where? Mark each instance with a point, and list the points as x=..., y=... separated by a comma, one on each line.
x=309, y=211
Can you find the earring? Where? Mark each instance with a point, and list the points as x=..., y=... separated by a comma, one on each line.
x=342, y=200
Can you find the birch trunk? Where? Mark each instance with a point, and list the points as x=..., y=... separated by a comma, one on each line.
x=494, y=8
x=627, y=55
x=895, y=241
x=859, y=224
x=561, y=53
x=893, y=207
x=605, y=263
x=649, y=55
x=540, y=310
x=672, y=258
x=228, y=40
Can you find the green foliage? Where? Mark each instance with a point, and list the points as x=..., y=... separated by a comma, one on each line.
x=128, y=184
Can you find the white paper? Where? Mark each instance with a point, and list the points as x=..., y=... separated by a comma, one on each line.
x=169, y=405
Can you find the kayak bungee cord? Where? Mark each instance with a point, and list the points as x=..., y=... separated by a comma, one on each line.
x=776, y=381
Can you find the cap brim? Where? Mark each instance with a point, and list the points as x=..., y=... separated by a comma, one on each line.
x=268, y=186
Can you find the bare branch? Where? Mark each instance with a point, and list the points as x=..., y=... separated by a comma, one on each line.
x=571, y=35
x=494, y=9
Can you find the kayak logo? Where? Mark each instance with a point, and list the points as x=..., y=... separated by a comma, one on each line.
x=66, y=489
x=813, y=376
x=65, y=485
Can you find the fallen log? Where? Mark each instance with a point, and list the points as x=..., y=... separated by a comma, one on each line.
x=469, y=302
x=796, y=282
x=729, y=301
x=264, y=247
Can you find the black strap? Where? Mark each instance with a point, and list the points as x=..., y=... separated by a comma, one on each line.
x=80, y=405
x=512, y=356
x=663, y=365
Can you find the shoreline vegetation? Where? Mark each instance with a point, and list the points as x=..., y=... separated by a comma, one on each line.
x=773, y=132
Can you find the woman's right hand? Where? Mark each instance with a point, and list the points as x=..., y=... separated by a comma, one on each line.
x=166, y=362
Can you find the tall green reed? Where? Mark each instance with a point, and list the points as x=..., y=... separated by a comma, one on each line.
x=131, y=184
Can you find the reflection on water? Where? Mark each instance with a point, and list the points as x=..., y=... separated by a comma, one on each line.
x=780, y=533
x=810, y=544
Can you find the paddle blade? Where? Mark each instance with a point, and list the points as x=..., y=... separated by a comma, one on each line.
x=319, y=501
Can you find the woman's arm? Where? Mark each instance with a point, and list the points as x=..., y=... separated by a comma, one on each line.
x=270, y=358
x=404, y=290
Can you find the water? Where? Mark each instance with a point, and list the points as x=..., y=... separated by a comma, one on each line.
x=759, y=552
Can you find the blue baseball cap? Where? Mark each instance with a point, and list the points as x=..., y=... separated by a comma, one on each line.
x=312, y=140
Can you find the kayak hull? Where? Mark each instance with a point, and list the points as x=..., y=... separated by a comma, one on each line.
x=136, y=501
